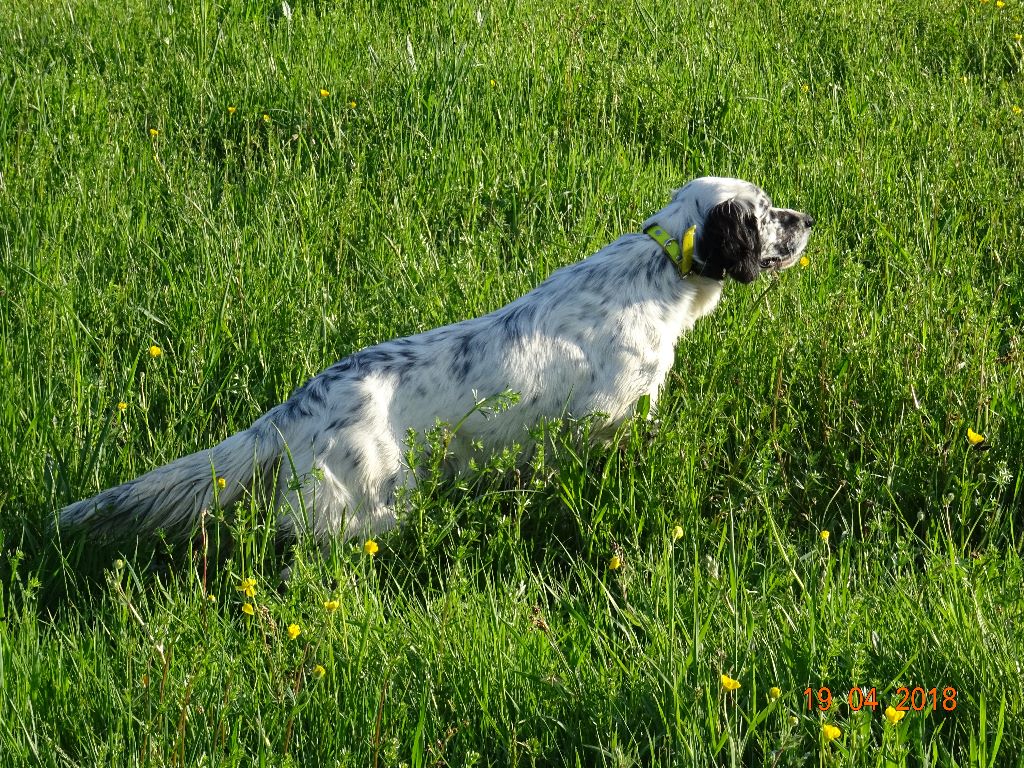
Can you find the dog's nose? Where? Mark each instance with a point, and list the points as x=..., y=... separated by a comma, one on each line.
x=808, y=220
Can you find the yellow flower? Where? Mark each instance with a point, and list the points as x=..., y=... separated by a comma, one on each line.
x=774, y=692
x=248, y=610
x=293, y=631
x=493, y=84
x=122, y=406
x=824, y=536
x=212, y=598
x=794, y=720
x=319, y=671
x=154, y=132
x=331, y=605
x=804, y=261
x=232, y=110
x=222, y=483
x=805, y=88
x=248, y=586
x=1017, y=37
x=155, y=351
x=370, y=547
x=894, y=715
x=677, y=533
x=1016, y=110
x=729, y=684
x=615, y=563
x=973, y=437
x=266, y=118
x=324, y=93
x=1000, y=3
x=831, y=732
x=352, y=105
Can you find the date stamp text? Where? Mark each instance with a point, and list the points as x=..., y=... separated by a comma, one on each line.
x=916, y=699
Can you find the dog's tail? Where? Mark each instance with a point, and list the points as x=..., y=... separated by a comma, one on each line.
x=174, y=496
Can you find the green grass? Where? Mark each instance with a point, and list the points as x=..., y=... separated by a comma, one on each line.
x=464, y=152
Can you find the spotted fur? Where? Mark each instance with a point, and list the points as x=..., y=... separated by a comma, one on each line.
x=591, y=339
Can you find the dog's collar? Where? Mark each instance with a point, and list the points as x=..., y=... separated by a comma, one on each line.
x=679, y=252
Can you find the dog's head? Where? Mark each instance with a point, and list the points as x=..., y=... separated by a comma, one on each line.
x=739, y=232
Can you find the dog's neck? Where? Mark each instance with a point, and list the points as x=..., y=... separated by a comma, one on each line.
x=679, y=252
x=679, y=221
x=682, y=252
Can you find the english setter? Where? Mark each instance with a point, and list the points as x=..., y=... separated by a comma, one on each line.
x=593, y=338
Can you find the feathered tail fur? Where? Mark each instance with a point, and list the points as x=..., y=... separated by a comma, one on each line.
x=174, y=496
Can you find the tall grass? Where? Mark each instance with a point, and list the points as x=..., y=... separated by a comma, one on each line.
x=259, y=190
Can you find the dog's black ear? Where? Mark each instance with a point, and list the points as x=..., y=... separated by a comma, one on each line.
x=729, y=242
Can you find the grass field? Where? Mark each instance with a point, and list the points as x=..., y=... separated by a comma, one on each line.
x=258, y=191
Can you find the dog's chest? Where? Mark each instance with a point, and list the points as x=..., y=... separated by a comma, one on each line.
x=656, y=334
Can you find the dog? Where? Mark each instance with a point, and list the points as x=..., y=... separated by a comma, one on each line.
x=591, y=340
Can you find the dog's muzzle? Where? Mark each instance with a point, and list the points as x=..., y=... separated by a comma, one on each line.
x=794, y=247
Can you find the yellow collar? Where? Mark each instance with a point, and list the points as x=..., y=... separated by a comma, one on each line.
x=679, y=251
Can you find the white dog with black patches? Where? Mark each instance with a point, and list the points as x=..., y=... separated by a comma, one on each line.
x=593, y=338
